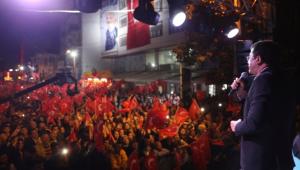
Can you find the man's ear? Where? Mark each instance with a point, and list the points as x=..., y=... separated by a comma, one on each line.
x=259, y=60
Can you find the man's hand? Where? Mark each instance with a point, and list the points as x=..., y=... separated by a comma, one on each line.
x=239, y=85
x=236, y=83
x=233, y=124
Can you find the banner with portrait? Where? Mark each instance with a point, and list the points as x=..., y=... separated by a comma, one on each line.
x=110, y=30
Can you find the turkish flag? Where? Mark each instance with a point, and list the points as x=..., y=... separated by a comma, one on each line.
x=133, y=104
x=156, y=104
x=133, y=161
x=66, y=105
x=90, y=105
x=138, y=33
x=157, y=116
x=150, y=162
x=72, y=137
x=198, y=157
x=204, y=142
x=105, y=104
x=78, y=98
x=129, y=104
x=154, y=121
x=181, y=115
x=200, y=95
x=164, y=110
x=51, y=117
x=139, y=89
x=158, y=109
x=194, y=110
x=98, y=135
x=170, y=131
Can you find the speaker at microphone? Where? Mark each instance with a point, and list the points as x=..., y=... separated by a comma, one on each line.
x=247, y=79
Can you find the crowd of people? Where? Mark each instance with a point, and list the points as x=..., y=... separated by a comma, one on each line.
x=104, y=127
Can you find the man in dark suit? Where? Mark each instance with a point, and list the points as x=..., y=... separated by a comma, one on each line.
x=267, y=124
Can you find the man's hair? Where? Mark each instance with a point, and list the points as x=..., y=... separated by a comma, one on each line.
x=269, y=52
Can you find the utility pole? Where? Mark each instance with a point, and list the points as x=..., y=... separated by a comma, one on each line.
x=185, y=85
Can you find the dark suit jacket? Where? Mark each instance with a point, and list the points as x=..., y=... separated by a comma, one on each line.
x=266, y=125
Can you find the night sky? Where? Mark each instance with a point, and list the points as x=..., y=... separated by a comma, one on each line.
x=38, y=32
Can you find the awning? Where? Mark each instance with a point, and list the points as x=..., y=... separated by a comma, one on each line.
x=149, y=76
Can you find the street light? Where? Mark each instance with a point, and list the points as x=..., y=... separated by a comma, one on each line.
x=73, y=54
x=21, y=67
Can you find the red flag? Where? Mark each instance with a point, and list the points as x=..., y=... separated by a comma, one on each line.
x=126, y=103
x=164, y=110
x=35, y=76
x=203, y=141
x=89, y=124
x=158, y=109
x=157, y=116
x=194, y=109
x=198, y=157
x=45, y=106
x=150, y=162
x=98, y=135
x=200, y=95
x=129, y=104
x=4, y=107
x=64, y=89
x=90, y=105
x=124, y=110
x=218, y=142
x=138, y=33
x=138, y=89
x=156, y=104
x=72, y=137
x=133, y=161
x=178, y=160
x=107, y=105
x=233, y=107
x=181, y=115
x=78, y=98
x=169, y=131
x=88, y=119
x=65, y=105
x=154, y=121
x=133, y=103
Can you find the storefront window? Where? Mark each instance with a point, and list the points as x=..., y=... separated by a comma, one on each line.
x=165, y=56
x=150, y=59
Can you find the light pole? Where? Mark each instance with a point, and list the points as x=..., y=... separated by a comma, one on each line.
x=73, y=54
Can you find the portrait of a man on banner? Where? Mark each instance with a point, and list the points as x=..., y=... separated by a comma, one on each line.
x=111, y=32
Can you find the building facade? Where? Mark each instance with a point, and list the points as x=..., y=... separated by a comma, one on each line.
x=112, y=39
x=47, y=64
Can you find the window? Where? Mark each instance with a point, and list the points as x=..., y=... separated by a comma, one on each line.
x=123, y=21
x=123, y=40
x=212, y=89
x=156, y=30
x=122, y=4
x=166, y=57
x=150, y=60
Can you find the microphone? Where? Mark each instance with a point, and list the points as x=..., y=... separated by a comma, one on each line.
x=243, y=77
